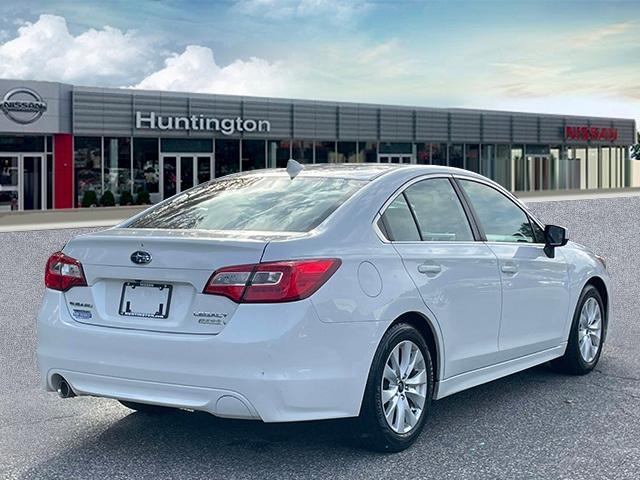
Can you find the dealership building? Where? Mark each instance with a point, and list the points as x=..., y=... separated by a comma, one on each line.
x=64, y=146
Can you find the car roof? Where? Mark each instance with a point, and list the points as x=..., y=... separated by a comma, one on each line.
x=358, y=171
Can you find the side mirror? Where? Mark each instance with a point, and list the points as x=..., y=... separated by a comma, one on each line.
x=554, y=236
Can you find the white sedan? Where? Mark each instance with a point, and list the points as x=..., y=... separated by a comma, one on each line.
x=320, y=292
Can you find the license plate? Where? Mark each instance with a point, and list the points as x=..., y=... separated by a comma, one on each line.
x=141, y=299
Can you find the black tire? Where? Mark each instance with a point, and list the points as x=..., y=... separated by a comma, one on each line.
x=147, y=408
x=572, y=361
x=372, y=430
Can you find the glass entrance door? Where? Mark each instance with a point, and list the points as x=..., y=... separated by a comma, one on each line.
x=32, y=191
x=9, y=183
x=181, y=172
x=22, y=185
x=395, y=158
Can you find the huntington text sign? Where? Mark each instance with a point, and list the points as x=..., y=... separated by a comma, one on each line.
x=226, y=126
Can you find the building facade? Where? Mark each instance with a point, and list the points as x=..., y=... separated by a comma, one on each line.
x=64, y=146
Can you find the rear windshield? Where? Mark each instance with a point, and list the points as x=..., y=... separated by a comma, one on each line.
x=273, y=204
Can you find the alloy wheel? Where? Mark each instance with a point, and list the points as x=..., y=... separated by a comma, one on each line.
x=590, y=329
x=404, y=387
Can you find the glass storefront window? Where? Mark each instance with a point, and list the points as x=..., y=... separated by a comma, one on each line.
x=49, y=181
x=278, y=153
x=186, y=145
x=325, y=152
x=146, y=168
x=472, y=158
x=253, y=155
x=346, y=152
x=227, y=157
x=615, y=175
x=554, y=158
x=502, y=170
x=367, y=152
x=423, y=153
x=396, y=147
x=117, y=166
x=519, y=179
x=21, y=143
x=439, y=153
x=455, y=156
x=302, y=151
x=87, y=162
x=580, y=161
x=487, y=160
x=204, y=169
x=593, y=180
x=605, y=168
x=9, y=183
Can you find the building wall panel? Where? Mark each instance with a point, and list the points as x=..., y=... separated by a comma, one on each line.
x=465, y=127
x=432, y=125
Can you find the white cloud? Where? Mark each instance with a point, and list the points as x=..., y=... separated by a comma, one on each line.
x=338, y=10
x=195, y=70
x=591, y=37
x=47, y=50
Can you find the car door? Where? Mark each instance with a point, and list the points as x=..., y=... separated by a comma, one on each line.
x=456, y=276
x=535, y=300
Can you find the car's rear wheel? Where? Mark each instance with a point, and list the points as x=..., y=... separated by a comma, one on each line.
x=398, y=393
x=585, y=338
x=146, y=408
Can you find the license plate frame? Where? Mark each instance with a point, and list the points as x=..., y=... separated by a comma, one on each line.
x=164, y=291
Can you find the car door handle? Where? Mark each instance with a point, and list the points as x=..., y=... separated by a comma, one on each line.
x=429, y=268
x=509, y=268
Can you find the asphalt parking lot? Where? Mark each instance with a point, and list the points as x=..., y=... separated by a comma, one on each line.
x=534, y=424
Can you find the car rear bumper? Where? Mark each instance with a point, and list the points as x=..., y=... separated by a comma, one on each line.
x=276, y=363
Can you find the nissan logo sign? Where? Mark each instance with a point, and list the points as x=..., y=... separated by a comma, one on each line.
x=140, y=257
x=23, y=105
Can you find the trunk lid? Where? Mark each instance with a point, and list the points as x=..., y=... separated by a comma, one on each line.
x=165, y=294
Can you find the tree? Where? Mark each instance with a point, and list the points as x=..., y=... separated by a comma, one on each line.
x=635, y=149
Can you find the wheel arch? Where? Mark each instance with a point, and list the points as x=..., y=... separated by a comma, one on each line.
x=428, y=331
x=601, y=287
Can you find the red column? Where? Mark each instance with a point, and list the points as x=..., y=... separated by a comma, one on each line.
x=63, y=170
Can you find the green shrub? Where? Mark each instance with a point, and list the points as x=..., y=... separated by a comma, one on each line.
x=126, y=198
x=143, y=198
x=89, y=198
x=107, y=199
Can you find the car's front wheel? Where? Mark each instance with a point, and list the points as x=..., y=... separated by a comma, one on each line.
x=585, y=338
x=398, y=393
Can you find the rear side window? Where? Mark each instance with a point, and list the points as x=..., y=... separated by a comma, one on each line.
x=501, y=219
x=398, y=222
x=438, y=211
x=269, y=203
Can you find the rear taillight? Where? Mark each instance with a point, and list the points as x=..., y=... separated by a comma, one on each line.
x=63, y=272
x=273, y=281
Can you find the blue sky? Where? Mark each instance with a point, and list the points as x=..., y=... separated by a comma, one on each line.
x=576, y=56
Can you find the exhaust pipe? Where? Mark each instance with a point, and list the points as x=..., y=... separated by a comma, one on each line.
x=64, y=390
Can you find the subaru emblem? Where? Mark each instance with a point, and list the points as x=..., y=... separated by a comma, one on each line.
x=140, y=257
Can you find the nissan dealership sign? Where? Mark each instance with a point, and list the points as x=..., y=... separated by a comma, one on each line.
x=23, y=105
x=226, y=126
x=587, y=133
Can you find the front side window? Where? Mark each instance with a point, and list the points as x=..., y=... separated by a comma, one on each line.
x=501, y=219
x=438, y=211
x=253, y=203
